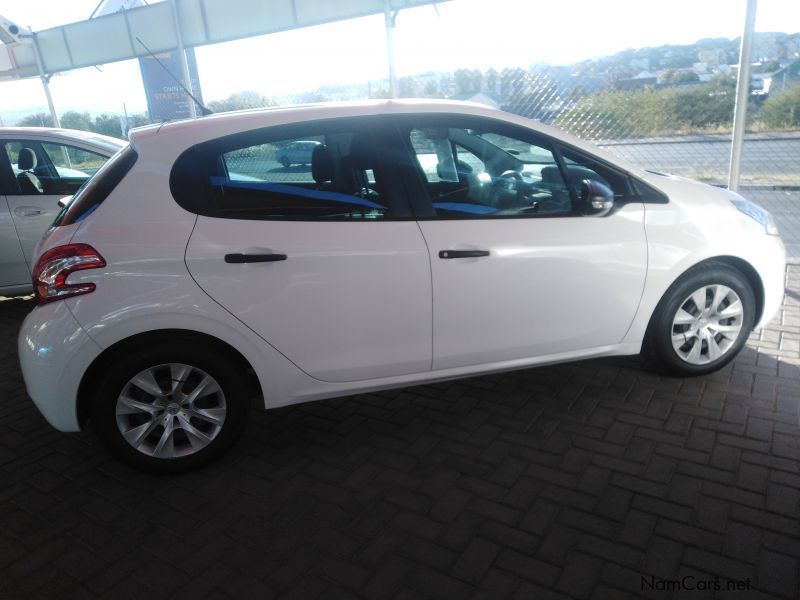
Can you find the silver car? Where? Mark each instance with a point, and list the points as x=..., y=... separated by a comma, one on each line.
x=39, y=166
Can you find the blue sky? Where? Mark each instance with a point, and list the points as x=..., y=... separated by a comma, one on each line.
x=459, y=33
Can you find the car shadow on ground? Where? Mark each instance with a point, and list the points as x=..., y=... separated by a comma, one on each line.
x=574, y=477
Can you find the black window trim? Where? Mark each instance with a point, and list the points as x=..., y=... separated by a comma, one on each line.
x=186, y=192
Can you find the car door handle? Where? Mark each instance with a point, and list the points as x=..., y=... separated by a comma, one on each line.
x=253, y=258
x=462, y=253
x=28, y=211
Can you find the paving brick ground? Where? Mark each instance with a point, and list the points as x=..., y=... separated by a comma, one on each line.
x=588, y=480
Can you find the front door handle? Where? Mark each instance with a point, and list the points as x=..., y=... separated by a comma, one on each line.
x=28, y=211
x=253, y=258
x=462, y=253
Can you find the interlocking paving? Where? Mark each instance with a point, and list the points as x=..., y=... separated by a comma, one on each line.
x=594, y=479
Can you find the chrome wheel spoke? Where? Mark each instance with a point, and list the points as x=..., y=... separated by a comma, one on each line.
x=720, y=293
x=699, y=299
x=137, y=435
x=179, y=374
x=683, y=317
x=197, y=438
x=206, y=387
x=166, y=444
x=215, y=416
x=734, y=309
x=714, y=351
x=129, y=406
x=146, y=382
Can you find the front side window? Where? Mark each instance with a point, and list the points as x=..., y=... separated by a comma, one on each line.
x=477, y=172
x=319, y=173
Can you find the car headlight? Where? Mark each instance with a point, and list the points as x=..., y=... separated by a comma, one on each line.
x=757, y=213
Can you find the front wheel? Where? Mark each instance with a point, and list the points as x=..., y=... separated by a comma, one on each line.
x=171, y=408
x=702, y=321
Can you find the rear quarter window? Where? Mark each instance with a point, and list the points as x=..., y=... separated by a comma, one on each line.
x=97, y=188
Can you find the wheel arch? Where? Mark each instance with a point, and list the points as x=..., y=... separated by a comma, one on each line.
x=734, y=262
x=129, y=344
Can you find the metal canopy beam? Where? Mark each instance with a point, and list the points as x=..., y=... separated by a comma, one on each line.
x=113, y=37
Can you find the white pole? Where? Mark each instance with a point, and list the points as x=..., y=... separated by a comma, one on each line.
x=742, y=93
x=390, y=22
x=187, y=79
x=45, y=82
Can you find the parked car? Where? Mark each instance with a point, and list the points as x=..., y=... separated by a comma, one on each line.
x=38, y=166
x=429, y=241
x=296, y=153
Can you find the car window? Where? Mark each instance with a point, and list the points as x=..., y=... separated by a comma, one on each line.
x=332, y=173
x=49, y=168
x=480, y=173
x=74, y=162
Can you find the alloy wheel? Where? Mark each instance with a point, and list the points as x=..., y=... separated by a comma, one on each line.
x=170, y=410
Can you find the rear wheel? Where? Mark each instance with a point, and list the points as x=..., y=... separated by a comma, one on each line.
x=702, y=321
x=170, y=408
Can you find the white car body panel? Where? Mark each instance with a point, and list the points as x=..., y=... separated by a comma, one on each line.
x=331, y=331
x=540, y=290
x=147, y=241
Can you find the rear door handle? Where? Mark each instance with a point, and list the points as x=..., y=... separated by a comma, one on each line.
x=253, y=258
x=462, y=253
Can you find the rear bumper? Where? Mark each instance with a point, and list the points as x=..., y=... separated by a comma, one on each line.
x=54, y=353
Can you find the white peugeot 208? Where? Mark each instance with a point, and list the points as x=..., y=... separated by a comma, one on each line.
x=424, y=241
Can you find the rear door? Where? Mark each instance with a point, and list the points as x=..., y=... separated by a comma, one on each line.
x=60, y=170
x=323, y=261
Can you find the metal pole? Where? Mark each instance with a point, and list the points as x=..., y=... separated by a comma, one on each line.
x=187, y=79
x=390, y=20
x=45, y=82
x=742, y=93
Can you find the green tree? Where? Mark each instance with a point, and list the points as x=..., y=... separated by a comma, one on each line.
x=73, y=119
x=107, y=124
x=782, y=110
x=39, y=119
x=241, y=101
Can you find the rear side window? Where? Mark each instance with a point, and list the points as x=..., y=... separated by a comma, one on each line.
x=96, y=189
x=330, y=171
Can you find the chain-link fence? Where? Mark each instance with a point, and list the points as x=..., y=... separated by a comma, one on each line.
x=667, y=108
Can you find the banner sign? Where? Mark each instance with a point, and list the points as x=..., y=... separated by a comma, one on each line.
x=166, y=100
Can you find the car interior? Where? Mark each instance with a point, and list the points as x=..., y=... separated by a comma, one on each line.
x=342, y=182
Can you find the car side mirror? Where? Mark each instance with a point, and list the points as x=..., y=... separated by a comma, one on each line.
x=597, y=199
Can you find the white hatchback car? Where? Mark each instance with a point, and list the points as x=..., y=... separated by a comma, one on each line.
x=39, y=166
x=426, y=241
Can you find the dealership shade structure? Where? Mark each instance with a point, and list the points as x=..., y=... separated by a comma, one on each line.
x=176, y=24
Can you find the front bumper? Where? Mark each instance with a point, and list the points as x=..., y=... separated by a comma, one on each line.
x=772, y=268
x=54, y=353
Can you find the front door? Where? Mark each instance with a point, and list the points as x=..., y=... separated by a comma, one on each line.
x=320, y=260
x=518, y=271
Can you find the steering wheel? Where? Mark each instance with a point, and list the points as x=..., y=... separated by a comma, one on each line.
x=510, y=182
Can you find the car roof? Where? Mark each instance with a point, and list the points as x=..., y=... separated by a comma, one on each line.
x=88, y=138
x=175, y=136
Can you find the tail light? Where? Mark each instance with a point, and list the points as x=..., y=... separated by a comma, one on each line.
x=55, y=265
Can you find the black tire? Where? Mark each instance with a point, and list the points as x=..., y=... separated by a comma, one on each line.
x=658, y=341
x=225, y=371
